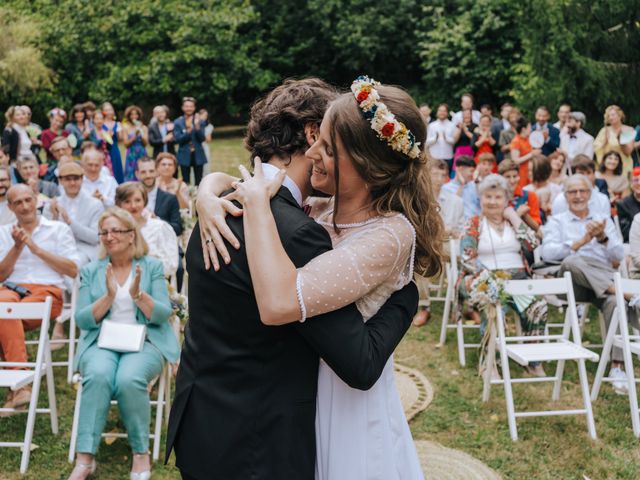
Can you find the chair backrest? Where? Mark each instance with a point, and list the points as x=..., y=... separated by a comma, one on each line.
x=616, y=222
x=454, y=248
x=622, y=286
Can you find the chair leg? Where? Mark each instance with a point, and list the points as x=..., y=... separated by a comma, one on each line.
x=167, y=398
x=557, y=384
x=490, y=360
x=74, y=423
x=31, y=420
x=159, y=410
x=72, y=349
x=460, y=334
x=447, y=308
x=631, y=386
x=508, y=397
x=604, y=358
x=51, y=392
x=584, y=385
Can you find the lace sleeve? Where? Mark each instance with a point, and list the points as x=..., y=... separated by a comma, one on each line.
x=381, y=252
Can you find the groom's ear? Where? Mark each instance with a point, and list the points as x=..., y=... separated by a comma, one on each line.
x=312, y=132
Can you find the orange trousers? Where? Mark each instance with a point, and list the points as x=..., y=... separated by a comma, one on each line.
x=12, y=346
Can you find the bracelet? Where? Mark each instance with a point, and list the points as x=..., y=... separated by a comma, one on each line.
x=137, y=296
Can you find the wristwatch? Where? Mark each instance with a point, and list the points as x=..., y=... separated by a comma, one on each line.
x=604, y=240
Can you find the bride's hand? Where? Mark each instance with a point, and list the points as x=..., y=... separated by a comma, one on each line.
x=256, y=188
x=212, y=211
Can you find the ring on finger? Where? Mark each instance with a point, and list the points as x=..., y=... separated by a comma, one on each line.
x=208, y=240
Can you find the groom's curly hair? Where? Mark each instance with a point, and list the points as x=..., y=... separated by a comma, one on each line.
x=277, y=120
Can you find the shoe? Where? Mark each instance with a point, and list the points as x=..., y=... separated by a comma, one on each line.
x=421, y=318
x=16, y=399
x=57, y=346
x=91, y=467
x=619, y=381
x=146, y=475
x=535, y=370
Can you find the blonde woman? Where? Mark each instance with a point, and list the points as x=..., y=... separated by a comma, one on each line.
x=615, y=136
x=15, y=138
x=167, y=167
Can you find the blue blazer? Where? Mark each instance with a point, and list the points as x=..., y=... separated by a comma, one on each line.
x=553, y=142
x=183, y=139
x=93, y=286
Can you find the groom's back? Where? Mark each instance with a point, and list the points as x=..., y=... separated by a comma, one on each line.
x=245, y=393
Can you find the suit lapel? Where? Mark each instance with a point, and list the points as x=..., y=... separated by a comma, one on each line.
x=285, y=194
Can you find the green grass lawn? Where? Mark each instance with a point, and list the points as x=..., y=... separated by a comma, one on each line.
x=550, y=448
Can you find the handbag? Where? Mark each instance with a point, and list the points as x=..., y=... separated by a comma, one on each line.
x=122, y=337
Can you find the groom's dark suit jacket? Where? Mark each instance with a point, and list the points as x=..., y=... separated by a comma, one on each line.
x=245, y=398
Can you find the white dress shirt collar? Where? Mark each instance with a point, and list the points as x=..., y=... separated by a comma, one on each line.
x=152, y=196
x=271, y=171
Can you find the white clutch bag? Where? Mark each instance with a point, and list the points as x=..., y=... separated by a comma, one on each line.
x=121, y=337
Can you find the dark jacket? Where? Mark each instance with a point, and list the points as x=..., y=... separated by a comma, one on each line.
x=553, y=142
x=11, y=143
x=168, y=209
x=187, y=141
x=155, y=139
x=245, y=401
x=627, y=208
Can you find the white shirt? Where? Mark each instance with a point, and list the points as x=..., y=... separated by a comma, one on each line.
x=440, y=139
x=506, y=125
x=6, y=215
x=54, y=237
x=634, y=246
x=270, y=172
x=497, y=251
x=599, y=204
x=123, y=309
x=579, y=143
x=25, y=141
x=151, y=202
x=451, y=210
x=562, y=230
x=163, y=244
x=105, y=184
x=457, y=117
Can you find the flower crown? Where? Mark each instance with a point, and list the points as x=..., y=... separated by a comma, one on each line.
x=388, y=129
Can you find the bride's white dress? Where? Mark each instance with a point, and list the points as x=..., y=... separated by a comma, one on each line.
x=360, y=435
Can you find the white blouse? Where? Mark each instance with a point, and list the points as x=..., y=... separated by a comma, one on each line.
x=163, y=244
x=498, y=252
x=123, y=309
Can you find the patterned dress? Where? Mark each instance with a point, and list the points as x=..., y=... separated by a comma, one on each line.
x=135, y=151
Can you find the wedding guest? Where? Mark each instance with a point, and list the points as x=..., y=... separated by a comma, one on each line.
x=498, y=239
x=15, y=138
x=589, y=247
x=496, y=123
x=486, y=165
x=36, y=254
x=463, y=137
x=4, y=159
x=189, y=133
x=6, y=215
x=113, y=128
x=79, y=127
x=574, y=140
x=161, y=132
x=599, y=202
x=464, y=187
x=545, y=190
x=90, y=110
x=508, y=133
x=497, y=128
x=164, y=205
x=609, y=136
x=95, y=183
x=564, y=112
x=35, y=131
x=551, y=133
x=158, y=234
x=425, y=110
x=611, y=172
x=208, y=135
x=167, y=167
x=27, y=173
x=125, y=286
x=135, y=136
x=524, y=202
x=57, y=116
x=629, y=206
x=558, y=161
x=440, y=136
x=466, y=103
x=60, y=148
x=78, y=209
x=101, y=138
x=521, y=150
x=634, y=248
x=482, y=140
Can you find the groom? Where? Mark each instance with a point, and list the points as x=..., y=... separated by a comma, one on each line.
x=245, y=399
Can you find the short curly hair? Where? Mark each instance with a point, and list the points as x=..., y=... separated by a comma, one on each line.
x=277, y=121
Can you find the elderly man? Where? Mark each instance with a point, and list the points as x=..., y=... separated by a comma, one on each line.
x=36, y=254
x=95, y=183
x=599, y=201
x=629, y=206
x=588, y=246
x=27, y=169
x=163, y=204
x=6, y=215
x=574, y=140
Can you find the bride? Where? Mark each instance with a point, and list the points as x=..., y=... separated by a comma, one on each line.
x=383, y=222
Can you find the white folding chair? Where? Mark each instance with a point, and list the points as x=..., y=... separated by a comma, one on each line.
x=31, y=374
x=541, y=348
x=160, y=404
x=451, y=277
x=628, y=343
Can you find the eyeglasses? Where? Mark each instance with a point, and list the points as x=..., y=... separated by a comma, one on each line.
x=576, y=192
x=71, y=178
x=115, y=231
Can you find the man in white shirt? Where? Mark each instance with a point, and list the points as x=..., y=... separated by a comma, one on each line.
x=574, y=140
x=6, y=215
x=463, y=186
x=102, y=187
x=564, y=111
x=440, y=136
x=599, y=203
x=36, y=255
x=466, y=103
x=589, y=247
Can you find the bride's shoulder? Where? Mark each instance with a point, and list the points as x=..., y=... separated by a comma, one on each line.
x=399, y=224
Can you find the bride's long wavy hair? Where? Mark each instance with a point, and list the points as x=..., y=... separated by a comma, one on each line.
x=396, y=182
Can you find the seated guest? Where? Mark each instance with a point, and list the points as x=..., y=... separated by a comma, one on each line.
x=634, y=247
x=27, y=173
x=610, y=172
x=575, y=141
x=599, y=202
x=57, y=117
x=524, y=202
x=463, y=186
x=452, y=213
x=498, y=239
x=167, y=167
x=161, y=132
x=78, y=209
x=558, y=161
x=629, y=206
x=587, y=244
x=6, y=215
x=545, y=190
x=521, y=150
x=483, y=141
x=164, y=205
x=158, y=234
x=440, y=136
x=125, y=286
x=36, y=254
x=486, y=166
x=95, y=183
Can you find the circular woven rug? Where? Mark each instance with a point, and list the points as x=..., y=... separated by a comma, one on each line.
x=416, y=393
x=442, y=463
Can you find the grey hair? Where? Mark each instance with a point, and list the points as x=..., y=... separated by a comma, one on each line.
x=579, y=117
x=22, y=159
x=577, y=178
x=494, y=181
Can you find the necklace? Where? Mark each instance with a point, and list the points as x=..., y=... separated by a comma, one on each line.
x=499, y=227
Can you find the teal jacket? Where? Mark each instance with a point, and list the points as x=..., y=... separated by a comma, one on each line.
x=93, y=286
